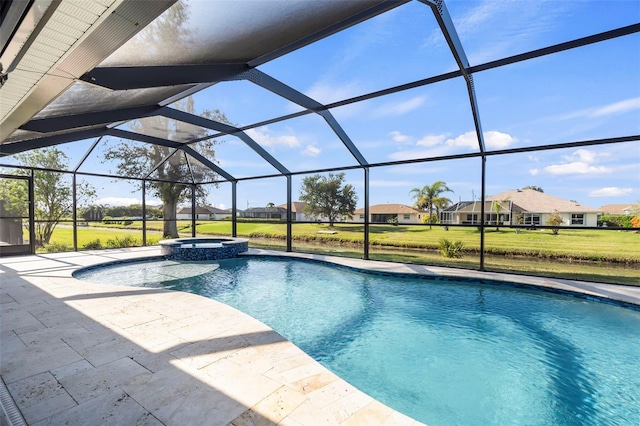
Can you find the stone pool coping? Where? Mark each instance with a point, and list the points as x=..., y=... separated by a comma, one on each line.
x=78, y=352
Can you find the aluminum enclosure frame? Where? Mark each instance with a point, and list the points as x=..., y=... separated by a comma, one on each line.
x=99, y=124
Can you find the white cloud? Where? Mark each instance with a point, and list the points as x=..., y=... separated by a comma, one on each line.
x=398, y=108
x=399, y=137
x=118, y=201
x=498, y=140
x=431, y=140
x=266, y=137
x=492, y=139
x=468, y=140
x=326, y=92
x=611, y=191
x=582, y=155
x=311, y=151
x=580, y=161
x=576, y=167
x=438, y=145
x=534, y=172
x=617, y=107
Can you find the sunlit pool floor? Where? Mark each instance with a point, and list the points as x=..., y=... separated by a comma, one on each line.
x=82, y=353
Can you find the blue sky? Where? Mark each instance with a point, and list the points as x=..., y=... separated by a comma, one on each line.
x=587, y=93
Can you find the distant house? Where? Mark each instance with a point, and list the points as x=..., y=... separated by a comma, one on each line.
x=618, y=209
x=520, y=207
x=470, y=212
x=203, y=213
x=386, y=213
x=297, y=212
x=265, y=213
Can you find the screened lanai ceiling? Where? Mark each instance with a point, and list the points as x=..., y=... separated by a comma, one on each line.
x=170, y=74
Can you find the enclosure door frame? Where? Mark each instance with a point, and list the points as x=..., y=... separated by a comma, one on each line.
x=13, y=250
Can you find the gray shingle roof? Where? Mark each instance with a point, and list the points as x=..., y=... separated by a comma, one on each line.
x=538, y=202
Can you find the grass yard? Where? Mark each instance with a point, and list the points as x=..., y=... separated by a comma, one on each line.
x=597, y=255
x=598, y=245
x=63, y=237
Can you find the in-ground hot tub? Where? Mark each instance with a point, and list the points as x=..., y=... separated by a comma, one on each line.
x=214, y=248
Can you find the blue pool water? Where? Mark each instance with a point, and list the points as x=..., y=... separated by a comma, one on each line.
x=443, y=352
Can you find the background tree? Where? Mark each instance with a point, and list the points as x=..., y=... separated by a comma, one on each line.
x=535, y=188
x=326, y=196
x=52, y=190
x=496, y=206
x=138, y=160
x=429, y=196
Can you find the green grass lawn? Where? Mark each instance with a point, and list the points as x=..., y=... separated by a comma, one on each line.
x=63, y=236
x=599, y=245
x=598, y=255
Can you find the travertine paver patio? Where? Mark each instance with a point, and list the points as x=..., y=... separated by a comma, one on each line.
x=79, y=353
x=73, y=352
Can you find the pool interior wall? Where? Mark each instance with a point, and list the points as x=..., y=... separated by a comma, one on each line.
x=581, y=290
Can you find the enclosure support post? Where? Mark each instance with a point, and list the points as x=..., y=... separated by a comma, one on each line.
x=289, y=228
x=234, y=210
x=32, y=214
x=144, y=213
x=74, y=214
x=482, y=195
x=366, y=214
x=193, y=210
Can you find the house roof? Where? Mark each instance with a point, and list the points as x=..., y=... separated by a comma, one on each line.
x=202, y=210
x=534, y=201
x=476, y=206
x=296, y=206
x=390, y=209
x=617, y=208
x=265, y=210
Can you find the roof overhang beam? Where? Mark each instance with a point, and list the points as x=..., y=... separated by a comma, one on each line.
x=46, y=141
x=126, y=78
x=55, y=124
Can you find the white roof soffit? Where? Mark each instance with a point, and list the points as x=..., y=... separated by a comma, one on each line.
x=72, y=37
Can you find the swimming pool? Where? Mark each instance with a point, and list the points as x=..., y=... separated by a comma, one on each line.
x=444, y=352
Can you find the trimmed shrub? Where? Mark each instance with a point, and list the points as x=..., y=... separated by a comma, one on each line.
x=57, y=247
x=93, y=245
x=117, y=242
x=451, y=249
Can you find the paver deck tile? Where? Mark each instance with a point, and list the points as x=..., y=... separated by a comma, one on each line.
x=79, y=353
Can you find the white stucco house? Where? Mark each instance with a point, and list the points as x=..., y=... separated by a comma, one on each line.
x=619, y=209
x=297, y=212
x=521, y=207
x=384, y=213
x=203, y=213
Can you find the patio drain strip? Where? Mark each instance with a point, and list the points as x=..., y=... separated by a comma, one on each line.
x=10, y=411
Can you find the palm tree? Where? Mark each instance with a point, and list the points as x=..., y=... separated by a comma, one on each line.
x=427, y=196
x=441, y=203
